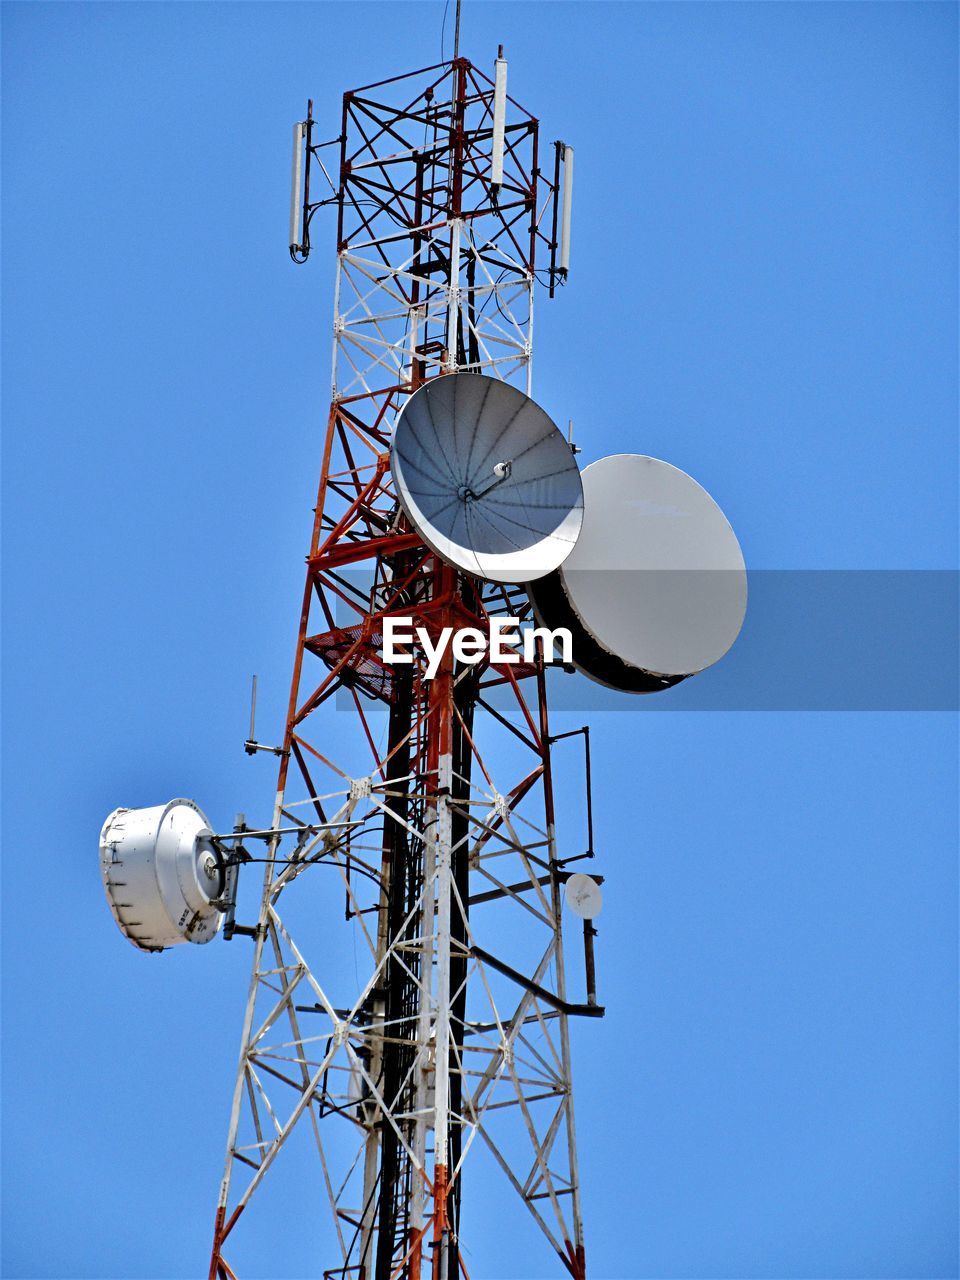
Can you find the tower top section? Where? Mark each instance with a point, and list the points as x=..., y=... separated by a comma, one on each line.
x=422, y=149
x=444, y=222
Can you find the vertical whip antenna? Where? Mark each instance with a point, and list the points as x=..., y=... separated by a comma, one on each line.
x=295, y=204
x=250, y=746
x=564, y=265
x=499, y=120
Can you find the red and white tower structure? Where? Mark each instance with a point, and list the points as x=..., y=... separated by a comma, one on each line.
x=407, y=1016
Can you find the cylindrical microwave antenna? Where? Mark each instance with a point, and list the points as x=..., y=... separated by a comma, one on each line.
x=565, y=209
x=163, y=874
x=499, y=120
x=296, y=207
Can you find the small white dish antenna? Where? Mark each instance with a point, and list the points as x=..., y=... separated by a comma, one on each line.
x=655, y=589
x=583, y=896
x=486, y=478
x=162, y=874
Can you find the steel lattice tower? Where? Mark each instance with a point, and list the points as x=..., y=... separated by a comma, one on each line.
x=449, y=1031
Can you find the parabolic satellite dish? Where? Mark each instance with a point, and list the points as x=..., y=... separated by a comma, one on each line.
x=486, y=478
x=162, y=874
x=655, y=589
x=583, y=896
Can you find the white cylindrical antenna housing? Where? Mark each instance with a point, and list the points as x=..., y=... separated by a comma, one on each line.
x=163, y=874
x=499, y=120
x=296, y=206
x=564, y=263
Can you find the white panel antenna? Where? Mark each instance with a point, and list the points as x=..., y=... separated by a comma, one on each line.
x=296, y=207
x=567, y=206
x=499, y=121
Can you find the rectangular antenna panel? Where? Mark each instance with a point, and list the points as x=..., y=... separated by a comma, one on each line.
x=295, y=205
x=499, y=120
x=567, y=203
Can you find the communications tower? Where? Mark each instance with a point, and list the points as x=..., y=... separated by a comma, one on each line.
x=407, y=1019
x=456, y=1035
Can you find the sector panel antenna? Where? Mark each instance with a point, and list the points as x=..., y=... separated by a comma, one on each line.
x=656, y=589
x=486, y=478
x=162, y=874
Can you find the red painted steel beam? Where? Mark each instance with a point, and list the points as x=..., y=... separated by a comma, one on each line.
x=351, y=552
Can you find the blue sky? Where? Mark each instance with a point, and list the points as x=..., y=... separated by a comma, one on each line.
x=763, y=293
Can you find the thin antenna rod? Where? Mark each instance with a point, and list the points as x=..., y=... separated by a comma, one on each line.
x=456, y=34
x=253, y=709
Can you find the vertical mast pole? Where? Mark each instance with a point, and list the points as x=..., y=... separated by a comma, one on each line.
x=441, y=714
x=441, y=723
